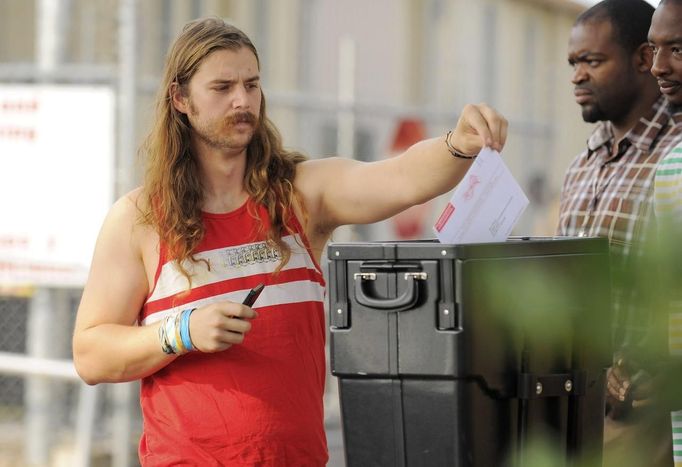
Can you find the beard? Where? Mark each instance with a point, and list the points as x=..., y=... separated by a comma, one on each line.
x=611, y=102
x=593, y=114
x=609, y=106
x=221, y=133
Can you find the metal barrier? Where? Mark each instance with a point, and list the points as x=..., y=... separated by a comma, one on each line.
x=39, y=418
x=48, y=416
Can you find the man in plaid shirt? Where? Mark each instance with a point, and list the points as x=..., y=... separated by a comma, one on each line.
x=608, y=188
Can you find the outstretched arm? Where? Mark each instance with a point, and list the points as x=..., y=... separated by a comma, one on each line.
x=341, y=191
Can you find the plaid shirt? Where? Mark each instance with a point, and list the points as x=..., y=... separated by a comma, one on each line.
x=611, y=196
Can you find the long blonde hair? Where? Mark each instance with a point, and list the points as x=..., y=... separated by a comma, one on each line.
x=172, y=196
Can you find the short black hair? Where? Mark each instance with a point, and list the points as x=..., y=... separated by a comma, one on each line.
x=630, y=20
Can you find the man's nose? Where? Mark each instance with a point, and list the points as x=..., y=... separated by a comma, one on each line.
x=579, y=74
x=661, y=65
x=240, y=98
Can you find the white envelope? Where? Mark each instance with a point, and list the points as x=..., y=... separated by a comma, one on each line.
x=485, y=206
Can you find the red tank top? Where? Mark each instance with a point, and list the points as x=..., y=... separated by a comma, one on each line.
x=258, y=403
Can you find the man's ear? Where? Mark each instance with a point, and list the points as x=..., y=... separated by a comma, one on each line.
x=178, y=98
x=644, y=58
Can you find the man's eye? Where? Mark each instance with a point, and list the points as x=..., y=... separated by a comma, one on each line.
x=594, y=63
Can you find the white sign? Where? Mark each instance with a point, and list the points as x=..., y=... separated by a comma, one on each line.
x=485, y=205
x=56, y=181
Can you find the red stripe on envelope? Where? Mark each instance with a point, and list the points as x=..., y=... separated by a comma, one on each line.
x=445, y=216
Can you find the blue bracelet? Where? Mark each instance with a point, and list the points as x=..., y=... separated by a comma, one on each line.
x=184, y=329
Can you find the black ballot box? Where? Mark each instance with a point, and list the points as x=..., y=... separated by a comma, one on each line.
x=462, y=355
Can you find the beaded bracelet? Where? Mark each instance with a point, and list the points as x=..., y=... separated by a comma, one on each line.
x=454, y=151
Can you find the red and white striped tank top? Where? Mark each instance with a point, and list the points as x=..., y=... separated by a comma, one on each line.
x=257, y=403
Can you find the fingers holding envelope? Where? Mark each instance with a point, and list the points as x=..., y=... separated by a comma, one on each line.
x=478, y=126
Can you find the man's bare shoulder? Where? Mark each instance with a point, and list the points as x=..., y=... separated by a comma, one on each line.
x=128, y=208
x=320, y=171
x=323, y=163
x=126, y=227
x=313, y=178
x=127, y=215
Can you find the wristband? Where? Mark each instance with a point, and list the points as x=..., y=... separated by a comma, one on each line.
x=184, y=329
x=454, y=151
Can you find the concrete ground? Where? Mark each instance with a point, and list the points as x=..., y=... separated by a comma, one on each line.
x=335, y=446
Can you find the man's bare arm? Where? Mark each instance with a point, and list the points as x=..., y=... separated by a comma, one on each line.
x=340, y=191
x=108, y=346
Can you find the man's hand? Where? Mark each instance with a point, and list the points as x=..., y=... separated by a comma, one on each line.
x=216, y=327
x=479, y=126
x=627, y=388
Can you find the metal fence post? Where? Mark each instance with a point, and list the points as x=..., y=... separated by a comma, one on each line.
x=85, y=424
x=38, y=393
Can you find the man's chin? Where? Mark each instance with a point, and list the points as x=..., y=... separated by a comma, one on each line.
x=592, y=114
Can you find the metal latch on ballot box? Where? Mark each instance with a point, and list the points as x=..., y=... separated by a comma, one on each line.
x=372, y=276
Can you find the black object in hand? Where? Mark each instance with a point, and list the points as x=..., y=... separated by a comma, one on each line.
x=253, y=295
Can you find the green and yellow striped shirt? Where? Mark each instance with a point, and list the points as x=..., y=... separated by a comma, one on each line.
x=668, y=187
x=668, y=208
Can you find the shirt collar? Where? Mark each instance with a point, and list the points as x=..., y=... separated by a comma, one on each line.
x=602, y=134
x=645, y=132
x=677, y=117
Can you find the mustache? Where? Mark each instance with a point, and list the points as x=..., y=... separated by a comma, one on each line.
x=241, y=117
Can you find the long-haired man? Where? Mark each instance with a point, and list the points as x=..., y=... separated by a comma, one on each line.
x=223, y=209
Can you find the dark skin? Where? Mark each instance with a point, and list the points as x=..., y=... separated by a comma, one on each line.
x=628, y=387
x=611, y=84
x=665, y=39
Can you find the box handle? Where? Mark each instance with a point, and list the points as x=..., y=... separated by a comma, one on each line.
x=403, y=302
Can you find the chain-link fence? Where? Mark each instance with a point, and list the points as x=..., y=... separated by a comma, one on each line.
x=42, y=406
x=13, y=319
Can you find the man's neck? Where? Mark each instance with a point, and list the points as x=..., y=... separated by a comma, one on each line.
x=641, y=108
x=222, y=175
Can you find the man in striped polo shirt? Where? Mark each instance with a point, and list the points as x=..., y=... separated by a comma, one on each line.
x=665, y=38
x=608, y=188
